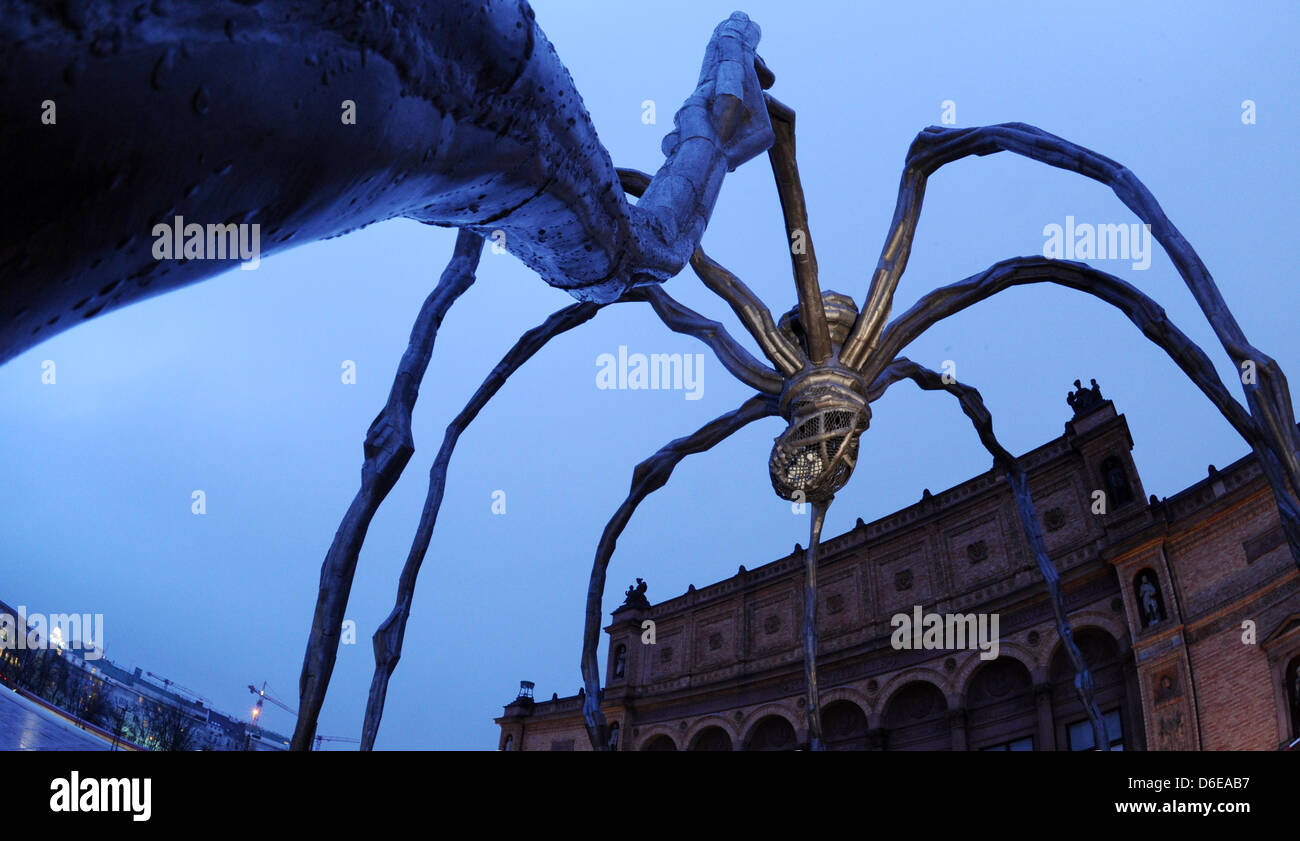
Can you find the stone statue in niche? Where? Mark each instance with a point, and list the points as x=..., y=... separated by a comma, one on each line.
x=1153, y=609
x=620, y=661
x=1117, y=486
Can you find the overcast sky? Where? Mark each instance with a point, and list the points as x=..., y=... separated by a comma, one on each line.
x=233, y=386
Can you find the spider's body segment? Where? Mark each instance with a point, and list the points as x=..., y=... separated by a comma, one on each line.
x=825, y=408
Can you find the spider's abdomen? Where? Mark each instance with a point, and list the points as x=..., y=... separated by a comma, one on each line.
x=816, y=454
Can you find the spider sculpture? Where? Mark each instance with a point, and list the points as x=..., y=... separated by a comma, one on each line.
x=477, y=125
x=834, y=360
x=830, y=360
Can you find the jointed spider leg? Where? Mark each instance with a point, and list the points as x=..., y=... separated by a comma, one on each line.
x=388, y=638
x=973, y=405
x=811, y=701
x=682, y=319
x=1149, y=317
x=388, y=448
x=753, y=314
x=1268, y=394
x=649, y=476
x=812, y=315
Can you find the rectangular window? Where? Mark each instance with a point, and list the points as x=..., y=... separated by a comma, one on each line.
x=1027, y=743
x=1080, y=732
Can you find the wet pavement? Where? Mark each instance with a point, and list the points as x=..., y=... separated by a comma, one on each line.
x=27, y=726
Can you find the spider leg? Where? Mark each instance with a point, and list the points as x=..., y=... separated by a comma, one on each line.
x=937, y=146
x=1269, y=395
x=388, y=638
x=388, y=448
x=753, y=315
x=682, y=319
x=973, y=405
x=750, y=309
x=649, y=476
x=811, y=693
x=1145, y=313
x=812, y=313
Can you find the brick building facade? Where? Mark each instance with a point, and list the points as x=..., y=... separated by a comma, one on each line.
x=1187, y=610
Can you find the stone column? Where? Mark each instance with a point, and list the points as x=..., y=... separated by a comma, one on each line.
x=957, y=726
x=1046, y=739
x=1135, y=725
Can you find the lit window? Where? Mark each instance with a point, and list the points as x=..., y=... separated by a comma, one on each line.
x=1027, y=743
x=1080, y=732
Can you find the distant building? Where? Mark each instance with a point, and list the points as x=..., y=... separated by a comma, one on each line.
x=123, y=702
x=1186, y=609
x=12, y=655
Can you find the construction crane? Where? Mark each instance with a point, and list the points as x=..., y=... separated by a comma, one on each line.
x=168, y=684
x=262, y=695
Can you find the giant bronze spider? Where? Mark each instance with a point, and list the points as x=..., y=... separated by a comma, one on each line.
x=478, y=125
x=831, y=360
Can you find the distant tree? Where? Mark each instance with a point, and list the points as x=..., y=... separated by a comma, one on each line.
x=172, y=729
x=36, y=672
x=92, y=705
x=69, y=686
x=10, y=671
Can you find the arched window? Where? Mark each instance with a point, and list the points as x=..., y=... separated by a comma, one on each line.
x=916, y=718
x=844, y=726
x=1151, y=604
x=620, y=661
x=660, y=742
x=712, y=738
x=772, y=733
x=1000, y=709
x=1116, y=697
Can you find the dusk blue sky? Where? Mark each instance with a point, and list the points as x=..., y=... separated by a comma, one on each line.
x=233, y=386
